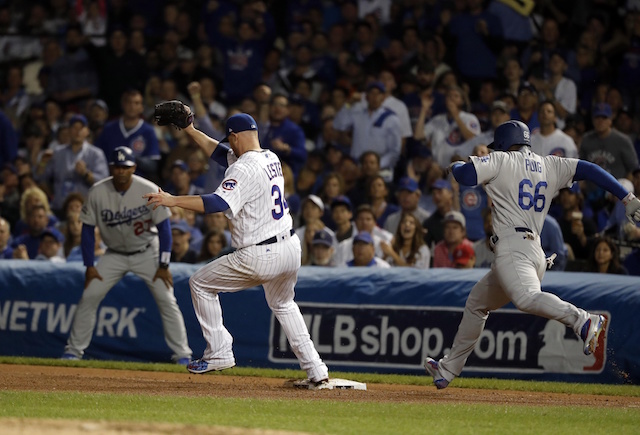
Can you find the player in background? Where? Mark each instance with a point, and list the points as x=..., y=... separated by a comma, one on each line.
x=267, y=250
x=139, y=241
x=521, y=185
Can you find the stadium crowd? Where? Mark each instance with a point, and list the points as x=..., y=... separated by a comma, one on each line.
x=365, y=102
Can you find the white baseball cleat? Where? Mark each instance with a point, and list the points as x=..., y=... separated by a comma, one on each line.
x=198, y=366
x=591, y=330
x=433, y=369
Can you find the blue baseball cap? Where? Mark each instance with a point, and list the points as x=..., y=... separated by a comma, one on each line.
x=322, y=237
x=54, y=233
x=363, y=237
x=376, y=85
x=408, y=183
x=122, y=156
x=441, y=184
x=180, y=164
x=238, y=123
x=78, y=118
x=602, y=109
x=342, y=200
x=181, y=225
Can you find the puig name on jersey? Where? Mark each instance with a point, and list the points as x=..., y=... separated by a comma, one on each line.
x=125, y=216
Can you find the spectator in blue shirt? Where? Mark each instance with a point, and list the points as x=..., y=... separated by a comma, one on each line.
x=132, y=131
x=526, y=109
x=281, y=135
x=37, y=222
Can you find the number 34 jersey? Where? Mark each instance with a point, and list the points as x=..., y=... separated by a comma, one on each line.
x=253, y=186
x=125, y=221
x=521, y=185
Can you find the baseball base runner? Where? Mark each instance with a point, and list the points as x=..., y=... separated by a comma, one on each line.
x=268, y=251
x=521, y=185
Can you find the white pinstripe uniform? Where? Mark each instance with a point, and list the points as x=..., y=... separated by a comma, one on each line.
x=128, y=227
x=521, y=185
x=253, y=188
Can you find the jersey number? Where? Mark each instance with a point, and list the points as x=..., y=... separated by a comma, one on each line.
x=526, y=200
x=279, y=203
x=141, y=226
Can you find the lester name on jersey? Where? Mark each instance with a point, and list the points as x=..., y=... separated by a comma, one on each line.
x=253, y=188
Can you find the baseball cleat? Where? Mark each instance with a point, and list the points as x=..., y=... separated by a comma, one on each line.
x=591, y=331
x=70, y=356
x=433, y=370
x=322, y=384
x=201, y=366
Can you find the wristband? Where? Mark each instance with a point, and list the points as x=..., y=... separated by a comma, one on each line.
x=630, y=196
x=165, y=258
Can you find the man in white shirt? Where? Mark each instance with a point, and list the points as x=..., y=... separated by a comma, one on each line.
x=550, y=140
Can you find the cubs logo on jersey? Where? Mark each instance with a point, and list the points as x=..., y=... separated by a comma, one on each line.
x=138, y=144
x=470, y=199
x=229, y=184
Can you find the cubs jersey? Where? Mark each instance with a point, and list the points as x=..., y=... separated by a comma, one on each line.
x=557, y=143
x=253, y=186
x=126, y=222
x=521, y=185
x=445, y=136
x=141, y=139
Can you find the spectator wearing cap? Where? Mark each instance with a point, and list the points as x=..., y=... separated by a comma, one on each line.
x=373, y=128
x=408, y=194
x=180, y=249
x=51, y=246
x=281, y=135
x=445, y=133
x=455, y=250
x=364, y=254
x=442, y=194
x=549, y=140
x=378, y=195
x=498, y=115
x=181, y=180
x=74, y=167
x=6, y=251
x=407, y=247
x=607, y=147
x=577, y=227
x=312, y=212
x=526, y=109
x=365, y=221
x=132, y=131
x=341, y=214
x=322, y=249
x=27, y=245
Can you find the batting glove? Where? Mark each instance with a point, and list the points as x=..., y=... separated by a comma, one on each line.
x=632, y=207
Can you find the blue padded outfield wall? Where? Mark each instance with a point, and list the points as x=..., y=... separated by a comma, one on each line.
x=364, y=320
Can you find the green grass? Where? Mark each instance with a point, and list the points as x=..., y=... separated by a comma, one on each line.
x=325, y=416
x=321, y=416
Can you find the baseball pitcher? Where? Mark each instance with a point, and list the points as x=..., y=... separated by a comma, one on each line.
x=268, y=251
x=138, y=238
x=521, y=185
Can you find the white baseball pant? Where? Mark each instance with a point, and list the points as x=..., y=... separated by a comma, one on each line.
x=515, y=276
x=112, y=267
x=275, y=266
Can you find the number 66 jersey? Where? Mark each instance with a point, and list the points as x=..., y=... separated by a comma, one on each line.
x=253, y=186
x=521, y=185
x=125, y=221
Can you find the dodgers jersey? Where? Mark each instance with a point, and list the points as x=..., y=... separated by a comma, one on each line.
x=521, y=185
x=253, y=186
x=126, y=222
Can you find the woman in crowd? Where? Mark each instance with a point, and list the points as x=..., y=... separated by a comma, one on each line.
x=213, y=245
x=72, y=231
x=30, y=197
x=407, y=247
x=378, y=194
x=605, y=258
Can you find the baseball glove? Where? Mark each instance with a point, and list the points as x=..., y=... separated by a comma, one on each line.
x=173, y=112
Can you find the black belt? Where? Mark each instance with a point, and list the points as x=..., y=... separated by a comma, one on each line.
x=273, y=239
x=140, y=251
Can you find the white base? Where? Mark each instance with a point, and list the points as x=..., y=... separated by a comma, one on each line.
x=333, y=384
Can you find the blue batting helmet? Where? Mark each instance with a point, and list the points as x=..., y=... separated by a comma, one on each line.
x=122, y=156
x=510, y=133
